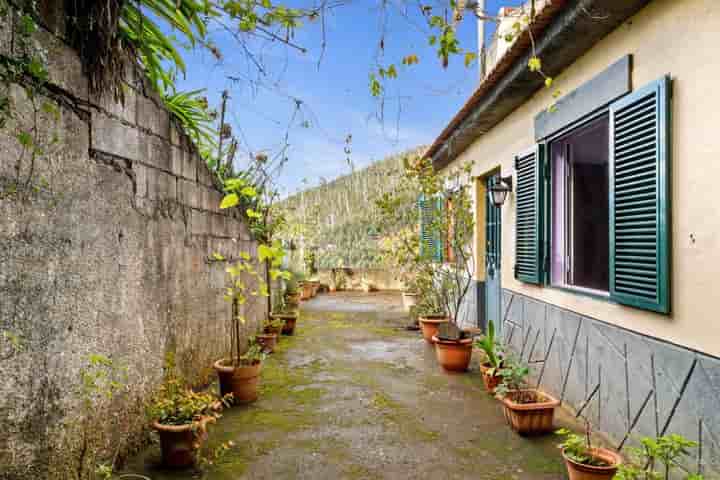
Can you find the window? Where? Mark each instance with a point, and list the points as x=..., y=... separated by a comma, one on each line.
x=580, y=238
x=592, y=205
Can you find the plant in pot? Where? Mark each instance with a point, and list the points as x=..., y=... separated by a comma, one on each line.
x=180, y=417
x=448, y=221
x=292, y=293
x=585, y=461
x=528, y=410
x=238, y=374
x=658, y=459
x=493, y=361
x=285, y=315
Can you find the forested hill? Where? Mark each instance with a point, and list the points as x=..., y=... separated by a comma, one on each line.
x=339, y=220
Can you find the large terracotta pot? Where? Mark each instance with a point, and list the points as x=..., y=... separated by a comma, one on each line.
x=267, y=341
x=269, y=329
x=530, y=418
x=409, y=300
x=453, y=355
x=491, y=381
x=242, y=381
x=179, y=443
x=289, y=320
x=429, y=325
x=579, y=471
x=293, y=298
x=306, y=291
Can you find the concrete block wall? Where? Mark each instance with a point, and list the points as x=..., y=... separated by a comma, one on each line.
x=107, y=253
x=645, y=386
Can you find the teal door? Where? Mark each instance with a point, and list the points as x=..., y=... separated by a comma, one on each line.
x=493, y=298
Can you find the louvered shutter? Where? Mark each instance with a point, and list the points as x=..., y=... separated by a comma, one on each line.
x=431, y=245
x=640, y=198
x=438, y=240
x=528, y=217
x=425, y=215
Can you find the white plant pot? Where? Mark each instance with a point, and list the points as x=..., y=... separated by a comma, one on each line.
x=409, y=300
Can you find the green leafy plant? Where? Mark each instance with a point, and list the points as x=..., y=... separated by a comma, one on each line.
x=492, y=348
x=658, y=459
x=578, y=447
x=274, y=322
x=175, y=404
x=514, y=381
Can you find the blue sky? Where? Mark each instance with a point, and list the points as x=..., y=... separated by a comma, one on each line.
x=335, y=96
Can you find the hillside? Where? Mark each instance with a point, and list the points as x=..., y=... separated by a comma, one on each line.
x=339, y=220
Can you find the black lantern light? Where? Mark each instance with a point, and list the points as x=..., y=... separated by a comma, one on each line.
x=499, y=191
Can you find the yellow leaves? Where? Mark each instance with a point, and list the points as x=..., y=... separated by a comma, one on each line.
x=251, y=213
x=548, y=82
x=249, y=191
x=245, y=256
x=534, y=64
x=218, y=257
x=470, y=58
x=411, y=59
x=229, y=201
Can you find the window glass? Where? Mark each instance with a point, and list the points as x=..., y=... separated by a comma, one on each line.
x=580, y=207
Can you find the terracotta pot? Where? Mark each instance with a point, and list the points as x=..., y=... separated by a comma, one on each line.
x=491, y=381
x=453, y=355
x=409, y=300
x=290, y=319
x=579, y=471
x=530, y=418
x=306, y=291
x=179, y=443
x=315, y=286
x=269, y=329
x=267, y=341
x=241, y=381
x=293, y=298
x=429, y=325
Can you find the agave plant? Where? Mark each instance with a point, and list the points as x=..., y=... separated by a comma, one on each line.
x=492, y=349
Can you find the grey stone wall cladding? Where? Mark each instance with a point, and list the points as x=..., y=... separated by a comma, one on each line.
x=645, y=387
x=108, y=256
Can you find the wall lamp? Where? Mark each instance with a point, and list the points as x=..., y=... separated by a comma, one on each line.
x=499, y=191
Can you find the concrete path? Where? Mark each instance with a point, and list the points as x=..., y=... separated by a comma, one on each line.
x=354, y=396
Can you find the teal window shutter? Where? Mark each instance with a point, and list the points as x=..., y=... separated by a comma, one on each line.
x=528, y=217
x=430, y=242
x=640, y=198
x=439, y=242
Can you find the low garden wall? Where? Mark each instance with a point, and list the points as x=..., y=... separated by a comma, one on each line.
x=353, y=278
x=105, y=245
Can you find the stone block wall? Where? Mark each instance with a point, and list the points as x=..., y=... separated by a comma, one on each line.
x=104, y=249
x=636, y=385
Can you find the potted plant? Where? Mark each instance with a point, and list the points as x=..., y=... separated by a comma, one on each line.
x=180, y=417
x=267, y=341
x=286, y=315
x=585, y=461
x=238, y=374
x=493, y=361
x=528, y=410
x=274, y=325
x=658, y=459
x=292, y=295
x=306, y=290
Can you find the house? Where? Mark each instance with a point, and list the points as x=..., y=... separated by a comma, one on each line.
x=601, y=266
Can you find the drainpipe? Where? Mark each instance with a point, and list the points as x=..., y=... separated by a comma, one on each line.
x=480, y=12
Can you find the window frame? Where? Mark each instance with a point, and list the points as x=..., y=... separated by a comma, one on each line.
x=547, y=203
x=548, y=213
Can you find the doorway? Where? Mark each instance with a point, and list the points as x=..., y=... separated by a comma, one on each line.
x=493, y=238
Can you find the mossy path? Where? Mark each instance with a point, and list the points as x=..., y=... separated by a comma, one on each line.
x=353, y=395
